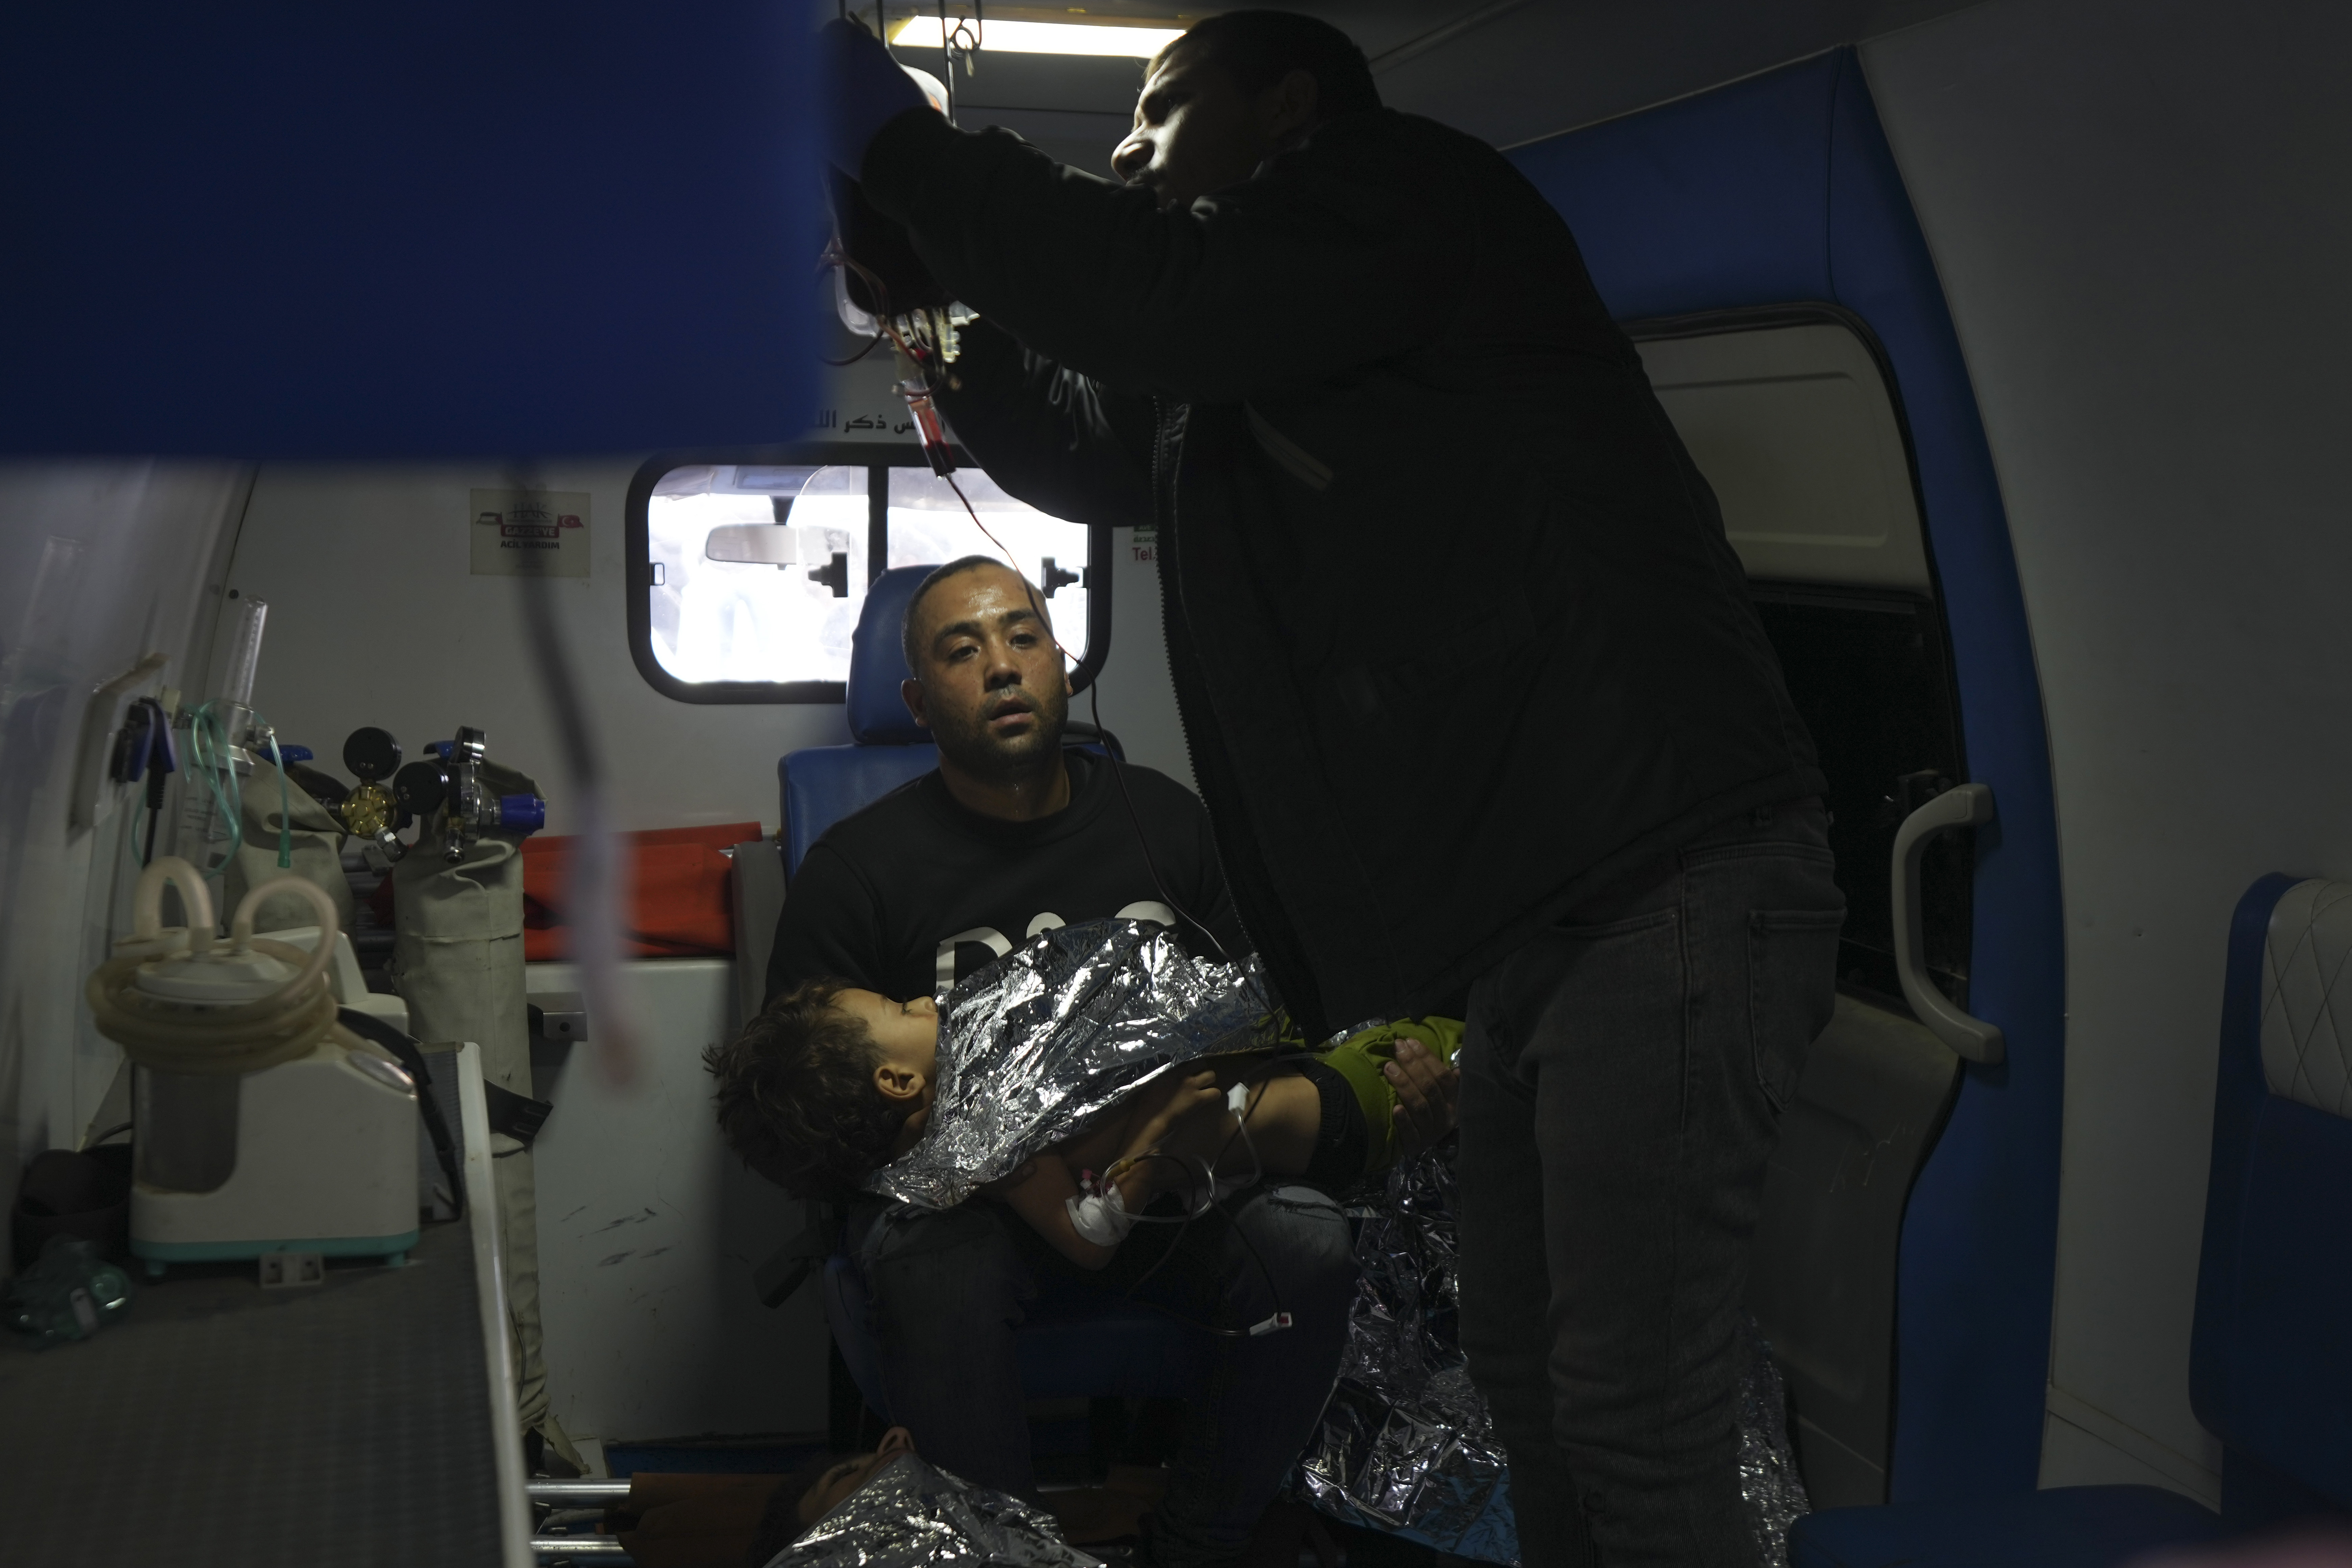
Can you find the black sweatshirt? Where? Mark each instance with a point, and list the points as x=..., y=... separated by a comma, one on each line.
x=1455, y=633
x=915, y=891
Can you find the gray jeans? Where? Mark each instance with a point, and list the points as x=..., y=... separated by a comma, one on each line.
x=1623, y=1079
x=948, y=1290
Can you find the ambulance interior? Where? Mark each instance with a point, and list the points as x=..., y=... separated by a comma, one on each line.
x=2008, y=332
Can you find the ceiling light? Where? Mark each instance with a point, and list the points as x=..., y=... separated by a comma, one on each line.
x=1045, y=37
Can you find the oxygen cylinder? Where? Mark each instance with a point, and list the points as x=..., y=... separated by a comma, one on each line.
x=457, y=959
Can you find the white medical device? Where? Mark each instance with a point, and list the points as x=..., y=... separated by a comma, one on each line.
x=261, y=1124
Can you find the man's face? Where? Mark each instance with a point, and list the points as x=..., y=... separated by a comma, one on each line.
x=990, y=683
x=849, y=1474
x=1196, y=132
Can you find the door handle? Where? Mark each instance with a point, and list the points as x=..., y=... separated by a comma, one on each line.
x=1963, y=806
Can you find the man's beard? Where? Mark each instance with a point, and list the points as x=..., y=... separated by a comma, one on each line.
x=968, y=741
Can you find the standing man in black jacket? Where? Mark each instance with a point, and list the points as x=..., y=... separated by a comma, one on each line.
x=1474, y=691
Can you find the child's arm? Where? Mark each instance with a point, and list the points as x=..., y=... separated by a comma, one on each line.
x=1040, y=1193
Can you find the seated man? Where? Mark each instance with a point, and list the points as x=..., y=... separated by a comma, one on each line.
x=1009, y=836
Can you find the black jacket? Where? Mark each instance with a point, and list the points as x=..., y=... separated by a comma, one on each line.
x=1455, y=633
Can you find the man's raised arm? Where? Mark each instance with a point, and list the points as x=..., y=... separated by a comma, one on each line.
x=1049, y=435
x=1314, y=265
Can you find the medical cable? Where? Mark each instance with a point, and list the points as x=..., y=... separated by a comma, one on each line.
x=1281, y=1317
x=1094, y=698
x=835, y=255
x=152, y=760
x=1272, y=1322
x=1275, y=1322
x=942, y=466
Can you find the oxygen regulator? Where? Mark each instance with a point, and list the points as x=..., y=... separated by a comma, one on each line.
x=451, y=779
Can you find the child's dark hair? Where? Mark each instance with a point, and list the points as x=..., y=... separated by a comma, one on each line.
x=796, y=1096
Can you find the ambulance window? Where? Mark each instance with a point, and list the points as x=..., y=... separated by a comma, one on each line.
x=747, y=576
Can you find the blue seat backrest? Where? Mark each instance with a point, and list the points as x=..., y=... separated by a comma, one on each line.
x=822, y=784
x=2270, y=1361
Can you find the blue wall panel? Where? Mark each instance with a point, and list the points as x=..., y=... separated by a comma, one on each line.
x=1777, y=190
x=440, y=230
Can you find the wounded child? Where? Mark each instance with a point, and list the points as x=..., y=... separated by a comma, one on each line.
x=1080, y=1080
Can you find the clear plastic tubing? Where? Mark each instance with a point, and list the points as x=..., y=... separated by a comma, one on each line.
x=244, y=654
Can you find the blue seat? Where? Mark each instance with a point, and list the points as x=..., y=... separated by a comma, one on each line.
x=2270, y=1371
x=1075, y=1342
x=822, y=784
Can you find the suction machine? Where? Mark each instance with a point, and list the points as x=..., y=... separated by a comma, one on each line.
x=263, y=1124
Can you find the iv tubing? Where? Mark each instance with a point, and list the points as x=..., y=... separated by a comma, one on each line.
x=166, y=1036
x=196, y=898
x=209, y=760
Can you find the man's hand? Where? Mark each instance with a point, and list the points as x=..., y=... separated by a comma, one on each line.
x=865, y=89
x=1426, y=1089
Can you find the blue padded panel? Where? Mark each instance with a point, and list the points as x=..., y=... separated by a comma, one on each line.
x=1781, y=189
x=2286, y=1394
x=1714, y=202
x=877, y=663
x=2065, y=1527
x=2256, y=1498
x=2270, y=1373
x=433, y=230
x=2239, y=1092
x=822, y=784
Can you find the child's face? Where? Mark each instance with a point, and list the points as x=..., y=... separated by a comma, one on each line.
x=905, y=1033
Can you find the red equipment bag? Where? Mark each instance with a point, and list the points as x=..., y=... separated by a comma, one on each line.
x=682, y=902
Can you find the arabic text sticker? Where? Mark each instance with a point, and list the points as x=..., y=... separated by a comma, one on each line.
x=539, y=533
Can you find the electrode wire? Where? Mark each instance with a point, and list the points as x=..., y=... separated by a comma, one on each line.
x=835, y=256
x=1280, y=1318
x=1094, y=696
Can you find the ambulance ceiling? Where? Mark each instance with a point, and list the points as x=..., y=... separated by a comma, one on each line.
x=1508, y=70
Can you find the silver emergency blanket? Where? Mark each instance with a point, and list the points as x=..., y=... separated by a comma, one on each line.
x=1768, y=1464
x=912, y=1515
x=1043, y=1040
x=1406, y=1445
